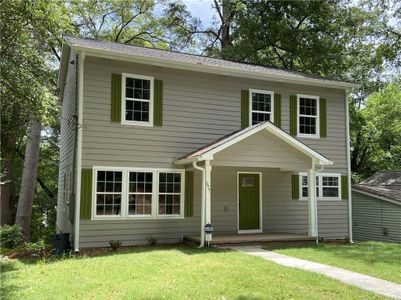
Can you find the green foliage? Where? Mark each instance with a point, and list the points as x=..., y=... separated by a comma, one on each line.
x=152, y=240
x=114, y=244
x=11, y=236
x=376, y=131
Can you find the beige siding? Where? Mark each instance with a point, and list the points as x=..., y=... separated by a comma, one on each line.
x=198, y=109
x=67, y=142
x=263, y=149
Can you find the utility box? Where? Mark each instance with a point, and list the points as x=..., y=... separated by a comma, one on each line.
x=61, y=243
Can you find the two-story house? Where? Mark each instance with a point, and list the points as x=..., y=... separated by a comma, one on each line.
x=157, y=144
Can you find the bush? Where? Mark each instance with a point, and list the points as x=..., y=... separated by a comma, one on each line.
x=11, y=236
x=152, y=241
x=114, y=244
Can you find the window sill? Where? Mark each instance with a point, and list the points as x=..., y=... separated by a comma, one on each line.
x=322, y=199
x=103, y=218
x=308, y=136
x=134, y=123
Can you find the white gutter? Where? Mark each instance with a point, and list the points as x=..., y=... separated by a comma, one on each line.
x=203, y=203
x=81, y=60
x=350, y=235
x=197, y=67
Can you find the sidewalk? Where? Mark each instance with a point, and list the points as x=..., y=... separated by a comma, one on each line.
x=369, y=283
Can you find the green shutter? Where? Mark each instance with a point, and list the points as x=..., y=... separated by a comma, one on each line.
x=344, y=187
x=323, y=117
x=158, y=103
x=189, y=194
x=277, y=110
x=293, y=115
x=86, y=194
x=295, y=186
x=116, y=97
x=244, y=109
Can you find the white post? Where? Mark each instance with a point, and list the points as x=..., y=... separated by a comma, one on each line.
x=312, y=205
x=202, y=233
x=208, y=193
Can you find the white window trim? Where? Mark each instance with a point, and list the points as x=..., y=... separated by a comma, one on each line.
x=124, y=197
x=304, y=135
x=258, y=111
x=123, y=98
x=320, y=186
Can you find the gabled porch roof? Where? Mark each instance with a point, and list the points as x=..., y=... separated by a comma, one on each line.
x=207, y=152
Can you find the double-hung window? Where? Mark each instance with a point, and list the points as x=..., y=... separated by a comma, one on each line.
x=137, y=102
x=108, y=193
x=169, y=194
x=138, y=193
x=308, y=116
x=327, y=186
x=261, y=106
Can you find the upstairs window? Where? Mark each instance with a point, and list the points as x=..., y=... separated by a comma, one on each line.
x=308, y=116
x=137, y=99
x=261, y=106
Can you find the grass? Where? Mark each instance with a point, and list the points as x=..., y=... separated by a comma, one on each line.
x=168, y=273
x=381, y=260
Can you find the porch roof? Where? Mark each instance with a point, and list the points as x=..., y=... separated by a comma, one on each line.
x=206, y=152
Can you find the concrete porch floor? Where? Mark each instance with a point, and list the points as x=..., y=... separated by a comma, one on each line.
x=221, y=239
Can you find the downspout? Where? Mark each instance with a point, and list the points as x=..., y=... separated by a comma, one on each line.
x=350, y=235
x=79, y=150
x=203, y=202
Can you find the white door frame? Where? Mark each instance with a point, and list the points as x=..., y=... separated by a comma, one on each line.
x=260, y=229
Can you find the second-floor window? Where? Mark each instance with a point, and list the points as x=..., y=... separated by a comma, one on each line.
x=137, y=104
x=261, y=106
x=308, y=116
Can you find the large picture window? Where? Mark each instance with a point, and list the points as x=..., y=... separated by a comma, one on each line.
x=137, y=99
x=261, y=106
x=327, y=186
x=308, y=116
x=108, y=193
x=138, y=193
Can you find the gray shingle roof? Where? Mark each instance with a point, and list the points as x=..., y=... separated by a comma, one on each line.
x=191, y=59
x=383, y=184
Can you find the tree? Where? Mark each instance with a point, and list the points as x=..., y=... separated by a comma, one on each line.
x=376, y=131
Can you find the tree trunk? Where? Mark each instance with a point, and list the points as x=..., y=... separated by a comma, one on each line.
x=9, y=148
x=226, y=22
x=28, y=181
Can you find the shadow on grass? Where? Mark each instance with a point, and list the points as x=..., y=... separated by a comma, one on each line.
x=366, y=252
x=107, y=252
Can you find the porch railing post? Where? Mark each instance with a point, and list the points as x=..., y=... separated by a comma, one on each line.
x=208, y=192
x=312, y=205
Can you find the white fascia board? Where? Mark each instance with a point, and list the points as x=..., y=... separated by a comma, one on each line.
x=212, y=69
x=62, y=72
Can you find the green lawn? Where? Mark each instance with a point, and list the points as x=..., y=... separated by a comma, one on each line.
x=382, y=260
x=175, y=273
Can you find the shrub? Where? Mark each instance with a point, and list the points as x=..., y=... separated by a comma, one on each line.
x=11, y=236
x=114, y=244
x=152, y=241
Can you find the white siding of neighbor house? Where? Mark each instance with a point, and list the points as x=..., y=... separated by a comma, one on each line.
x=371, y=217
x=198, y=109
x=67, y=142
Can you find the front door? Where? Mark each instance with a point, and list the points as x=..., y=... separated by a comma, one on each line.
x=249, y=202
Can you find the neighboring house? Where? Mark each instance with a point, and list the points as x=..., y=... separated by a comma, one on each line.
x=376, y=208
x=157, y=143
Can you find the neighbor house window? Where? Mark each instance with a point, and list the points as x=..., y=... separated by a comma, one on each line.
x=327, y=186
x=140, y=190
x=261, y=106
x=169, y=196
x=108, y=193
x=137, y=99
x=308, y=116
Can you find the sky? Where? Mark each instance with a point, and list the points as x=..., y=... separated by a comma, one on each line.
x=201, y=9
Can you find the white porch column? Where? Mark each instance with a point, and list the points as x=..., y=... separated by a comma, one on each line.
x=312, y=205
x=208, y=194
